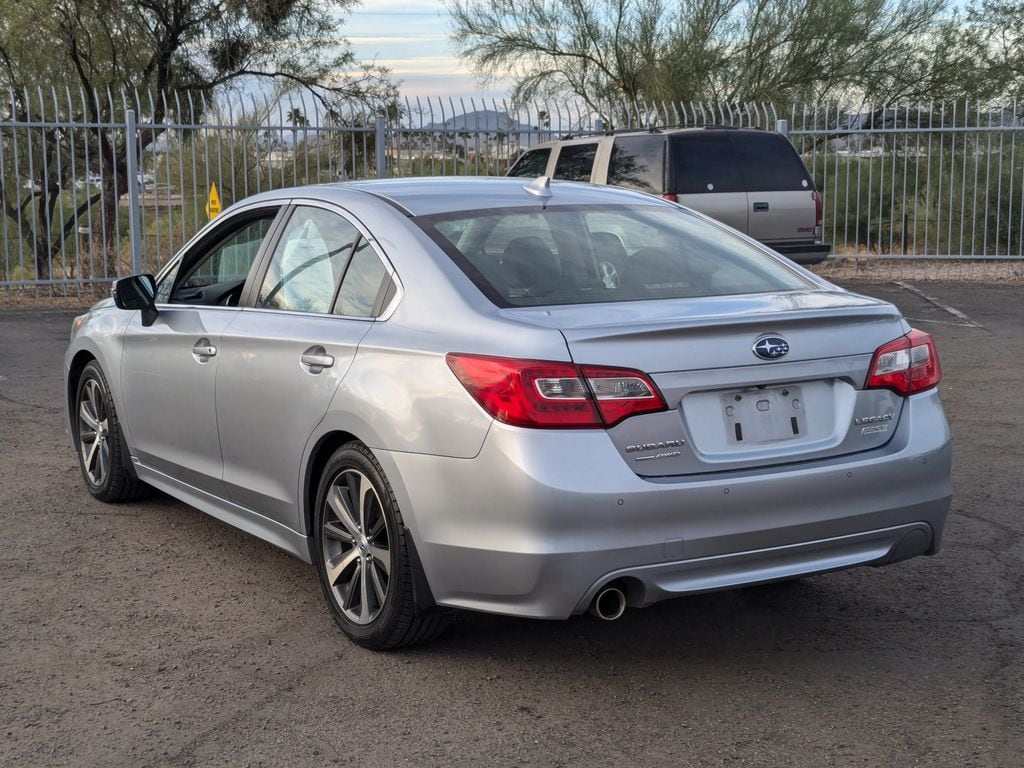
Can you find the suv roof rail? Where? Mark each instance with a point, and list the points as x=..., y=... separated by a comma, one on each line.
x=656, y=129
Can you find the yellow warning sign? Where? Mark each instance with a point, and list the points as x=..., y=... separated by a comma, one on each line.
x=213, y=204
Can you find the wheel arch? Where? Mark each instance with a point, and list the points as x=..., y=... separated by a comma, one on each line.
x=81, y=359
x=321, y=453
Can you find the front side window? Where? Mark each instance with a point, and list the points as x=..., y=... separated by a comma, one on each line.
x=592, y=254
x=575, y=161
x=308, y=262
x=216, y=276
x=532, y=164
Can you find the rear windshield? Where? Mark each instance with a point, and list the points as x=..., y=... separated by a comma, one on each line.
x=735, y=161
x=581, y=255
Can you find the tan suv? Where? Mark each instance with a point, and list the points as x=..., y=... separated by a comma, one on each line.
x=752, y=180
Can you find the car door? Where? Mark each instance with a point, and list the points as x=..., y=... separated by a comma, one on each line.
x=282, y=359
x=168, y=369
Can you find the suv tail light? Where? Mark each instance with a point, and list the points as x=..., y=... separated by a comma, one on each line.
x=819, y=217
x=554, y=395
x=672, y=197
x=906, y=365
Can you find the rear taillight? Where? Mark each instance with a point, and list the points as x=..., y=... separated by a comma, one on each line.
x=819, y=214
x=906, y=365
x=553, y=395
x=671, y=197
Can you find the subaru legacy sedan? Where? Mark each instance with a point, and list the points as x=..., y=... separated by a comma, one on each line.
x=526, y=397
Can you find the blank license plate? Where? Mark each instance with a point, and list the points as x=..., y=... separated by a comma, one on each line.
x=756, y=416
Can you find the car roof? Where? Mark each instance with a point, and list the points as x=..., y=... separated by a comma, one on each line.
x=425, y=196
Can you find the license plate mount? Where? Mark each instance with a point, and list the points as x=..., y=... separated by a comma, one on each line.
x=757, y=416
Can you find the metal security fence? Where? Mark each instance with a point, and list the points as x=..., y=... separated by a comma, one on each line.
x=94, y=186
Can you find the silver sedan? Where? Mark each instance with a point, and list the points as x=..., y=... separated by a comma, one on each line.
x=514, y=396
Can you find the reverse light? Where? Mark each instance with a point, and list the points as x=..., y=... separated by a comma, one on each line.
x=907, y=365
x=555, y=395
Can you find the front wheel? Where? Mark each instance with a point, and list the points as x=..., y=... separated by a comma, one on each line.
x=101, y=448
x=362, y=556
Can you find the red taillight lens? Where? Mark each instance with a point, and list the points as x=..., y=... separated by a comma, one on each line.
x=671, y=197
x=906, y=365
x=819, y=213
x=553, y=395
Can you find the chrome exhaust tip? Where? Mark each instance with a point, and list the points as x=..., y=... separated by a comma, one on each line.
x=608, y=604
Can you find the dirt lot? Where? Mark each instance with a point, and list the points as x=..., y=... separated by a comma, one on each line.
x=150, y=634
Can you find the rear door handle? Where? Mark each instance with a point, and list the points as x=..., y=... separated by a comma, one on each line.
x=760, y=206
x=203, y=350
x=315, y=359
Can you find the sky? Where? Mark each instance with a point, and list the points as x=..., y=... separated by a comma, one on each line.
x=411, y=38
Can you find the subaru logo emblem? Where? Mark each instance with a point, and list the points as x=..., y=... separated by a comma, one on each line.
x=771, y=347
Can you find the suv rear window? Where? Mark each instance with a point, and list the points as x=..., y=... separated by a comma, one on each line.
x=575, y=162
x=593, y=254
x=638, y=162
x=532, y=164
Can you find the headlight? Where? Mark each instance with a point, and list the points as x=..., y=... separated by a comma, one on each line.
x=76, y=324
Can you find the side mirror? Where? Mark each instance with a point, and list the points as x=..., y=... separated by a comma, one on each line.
x=137, y=292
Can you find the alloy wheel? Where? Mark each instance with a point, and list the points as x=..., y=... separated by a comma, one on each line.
x=356, y=546
x=94, y=432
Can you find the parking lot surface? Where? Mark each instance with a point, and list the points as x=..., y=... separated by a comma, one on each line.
x=151, y=634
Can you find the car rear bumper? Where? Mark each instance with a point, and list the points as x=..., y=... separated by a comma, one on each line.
x=802, y=252
x=540, y=520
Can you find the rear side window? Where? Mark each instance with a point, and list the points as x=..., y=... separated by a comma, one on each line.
x=575, y=161
x=770, y=163
x=704, y=162
x=532, y=164
x=638, y=162
x=593, y=254
x=308, y=261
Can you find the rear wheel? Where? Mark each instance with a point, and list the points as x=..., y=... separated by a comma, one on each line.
x=101, y=447
x=362, y=556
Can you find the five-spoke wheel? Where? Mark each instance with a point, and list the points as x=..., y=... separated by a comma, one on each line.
x=97, y=434
x=362, y=555
x=356, y=546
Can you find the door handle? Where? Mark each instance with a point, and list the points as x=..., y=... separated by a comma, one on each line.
x=760, y=206
x=203, y=350
x=315, y=359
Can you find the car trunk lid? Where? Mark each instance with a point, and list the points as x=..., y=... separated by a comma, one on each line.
x=728, y=408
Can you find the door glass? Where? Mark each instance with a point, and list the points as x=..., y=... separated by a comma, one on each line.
x=362, y=283
x=638, y=162
x=308, y=261
x=217, y=276
x=531, y=164
x=575, y=162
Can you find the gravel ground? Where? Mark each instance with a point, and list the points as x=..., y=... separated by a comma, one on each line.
x=150, y=634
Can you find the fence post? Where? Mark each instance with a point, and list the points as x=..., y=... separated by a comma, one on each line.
x=382, y=158
x=782, y=126
x=131, y=147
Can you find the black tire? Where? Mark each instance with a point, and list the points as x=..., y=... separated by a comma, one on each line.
x=360, y=560
x=102, y=451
